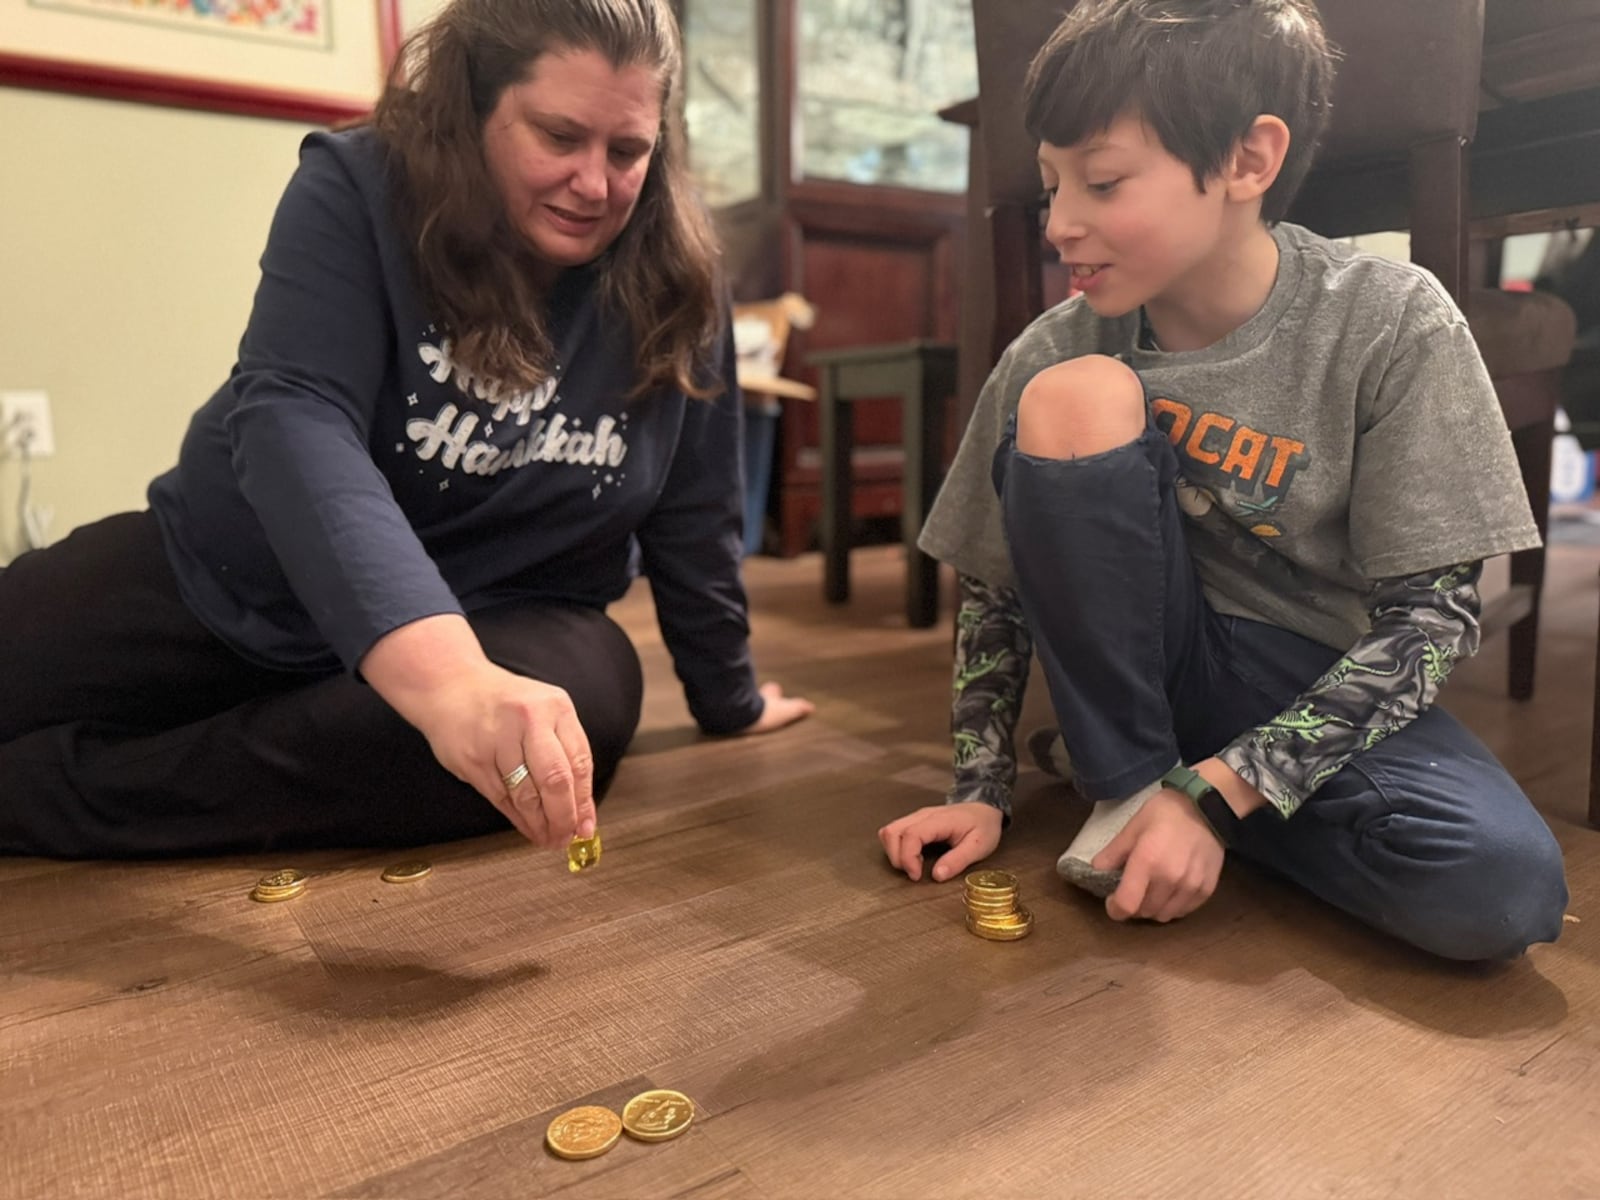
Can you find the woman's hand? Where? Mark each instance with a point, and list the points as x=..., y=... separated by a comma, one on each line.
x=516, y=741
x=780, y=710
x=485, y=728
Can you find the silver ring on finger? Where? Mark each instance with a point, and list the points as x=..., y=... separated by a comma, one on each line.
x=515, y=776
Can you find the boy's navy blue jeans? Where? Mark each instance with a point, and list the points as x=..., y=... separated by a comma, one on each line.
x=1424, y=836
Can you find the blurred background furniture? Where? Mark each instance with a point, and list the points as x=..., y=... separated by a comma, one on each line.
x=831, y=198
x=761, y=341
x=1410, y=89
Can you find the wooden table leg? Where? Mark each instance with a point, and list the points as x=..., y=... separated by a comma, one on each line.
x=838, y=441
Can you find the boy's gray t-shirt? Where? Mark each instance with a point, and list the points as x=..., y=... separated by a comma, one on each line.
x=1347, y=432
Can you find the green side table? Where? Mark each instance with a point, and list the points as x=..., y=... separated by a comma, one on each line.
x=922, y=374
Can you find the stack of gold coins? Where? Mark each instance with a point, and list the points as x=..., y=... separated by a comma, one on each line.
x=280, y=885
x=992, y=909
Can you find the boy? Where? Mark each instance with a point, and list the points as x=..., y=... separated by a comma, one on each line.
x=1237, y=495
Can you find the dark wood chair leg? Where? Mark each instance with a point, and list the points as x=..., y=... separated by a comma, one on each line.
x=1439, y=177
x=838, y=446
x=922, y=427
x=1527, y=566
x=1594, y=742
x=925, y=430
x=1534, y=445
x=795, y=521
x=1019, y=283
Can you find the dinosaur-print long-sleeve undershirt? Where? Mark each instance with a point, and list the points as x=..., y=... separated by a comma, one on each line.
x=994, y=650
x=1421, y=626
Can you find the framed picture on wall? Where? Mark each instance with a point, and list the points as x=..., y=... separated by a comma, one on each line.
x=306, y=60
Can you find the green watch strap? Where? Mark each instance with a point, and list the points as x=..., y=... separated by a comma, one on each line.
x=1204, y=795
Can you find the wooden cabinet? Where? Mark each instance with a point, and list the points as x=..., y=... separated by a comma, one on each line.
x=879, y=268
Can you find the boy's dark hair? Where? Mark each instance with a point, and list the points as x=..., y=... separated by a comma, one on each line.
x=1198, y=72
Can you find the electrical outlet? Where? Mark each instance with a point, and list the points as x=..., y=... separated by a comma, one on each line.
x=25, y=419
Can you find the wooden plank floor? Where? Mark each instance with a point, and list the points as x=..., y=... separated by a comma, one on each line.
x=842, y=1034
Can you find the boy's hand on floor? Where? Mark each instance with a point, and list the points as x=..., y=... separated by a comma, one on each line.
x=971, y=830
x=1169, y=858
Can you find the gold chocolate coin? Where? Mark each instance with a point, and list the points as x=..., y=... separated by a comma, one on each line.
x=1001, y=935
x=262, y=897
x=1003, y=929
x=657, y=1115
x=583, y=853
x=280, y=885
x=406, y=872
x=586, y=1132
x=992, y=881
x=1008, y=920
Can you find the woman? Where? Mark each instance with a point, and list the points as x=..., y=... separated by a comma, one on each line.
x=487, y=366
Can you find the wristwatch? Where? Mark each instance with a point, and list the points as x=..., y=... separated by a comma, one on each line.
x=1212, y=807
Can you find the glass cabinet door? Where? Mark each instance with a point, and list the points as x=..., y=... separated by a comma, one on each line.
x=722, y=98
x=872, y=76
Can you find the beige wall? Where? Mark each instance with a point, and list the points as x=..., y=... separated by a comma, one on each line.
x=129, y=236
x=415, y=12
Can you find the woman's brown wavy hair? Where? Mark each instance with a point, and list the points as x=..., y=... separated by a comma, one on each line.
x=476, y=272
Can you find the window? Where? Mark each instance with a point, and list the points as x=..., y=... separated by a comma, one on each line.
x=722, y=98
x=873, y=75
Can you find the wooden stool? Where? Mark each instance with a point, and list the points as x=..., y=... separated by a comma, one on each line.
x=923, y=375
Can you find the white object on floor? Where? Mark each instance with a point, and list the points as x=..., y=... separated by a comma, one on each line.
x=1108, y=819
